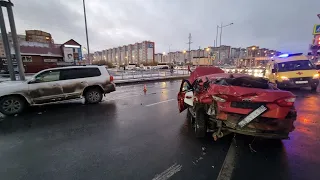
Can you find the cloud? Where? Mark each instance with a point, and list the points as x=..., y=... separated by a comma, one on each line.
x=284, y=25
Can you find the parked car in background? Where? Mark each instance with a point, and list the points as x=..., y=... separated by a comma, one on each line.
x=131, y=66
x=163, y=65
x=54, y=85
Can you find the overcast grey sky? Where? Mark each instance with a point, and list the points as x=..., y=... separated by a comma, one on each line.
x=284, y=25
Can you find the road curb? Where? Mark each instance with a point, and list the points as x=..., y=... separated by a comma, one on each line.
x=137, y=81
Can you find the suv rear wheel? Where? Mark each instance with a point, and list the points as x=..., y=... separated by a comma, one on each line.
x=11, y=105
x=93, y=95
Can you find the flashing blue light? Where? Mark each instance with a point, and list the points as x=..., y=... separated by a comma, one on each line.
x=283, y=55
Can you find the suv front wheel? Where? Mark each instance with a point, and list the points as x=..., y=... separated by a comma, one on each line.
x=93, y=95
x=11, y=105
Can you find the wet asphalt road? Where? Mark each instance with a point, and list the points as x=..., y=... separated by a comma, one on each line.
x=132, y=135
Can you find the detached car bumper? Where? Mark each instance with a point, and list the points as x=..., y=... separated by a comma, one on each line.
x=270, y=128
x=298, y=82
x=110, y=88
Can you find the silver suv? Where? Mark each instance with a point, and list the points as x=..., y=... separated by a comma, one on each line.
x=57, y=84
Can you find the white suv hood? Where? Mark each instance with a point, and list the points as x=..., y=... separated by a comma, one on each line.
x=11, y=87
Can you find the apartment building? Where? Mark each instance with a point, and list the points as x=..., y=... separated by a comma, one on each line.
x=21, y=38
x=137, y=53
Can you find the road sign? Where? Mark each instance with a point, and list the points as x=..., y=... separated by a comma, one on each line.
x=316, y=29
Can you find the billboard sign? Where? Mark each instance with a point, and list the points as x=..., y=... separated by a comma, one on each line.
x=316, y=29
x=68, y=54
x=80, y=54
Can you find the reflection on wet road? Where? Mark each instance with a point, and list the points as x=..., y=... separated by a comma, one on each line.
x=137, y=135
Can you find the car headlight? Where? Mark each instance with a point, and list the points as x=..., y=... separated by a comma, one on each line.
x=284, y=78
x=316, y=76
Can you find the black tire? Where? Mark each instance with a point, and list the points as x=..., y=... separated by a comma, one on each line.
x=93, y=95
x=200, y=124
x=314, y=88
x=11, y=105
x=190, y=116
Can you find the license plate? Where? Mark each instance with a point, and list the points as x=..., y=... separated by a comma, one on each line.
x=252, y=116
x=301, y=82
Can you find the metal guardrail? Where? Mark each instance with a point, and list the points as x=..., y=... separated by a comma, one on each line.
x=128, y=74
x=137, y=74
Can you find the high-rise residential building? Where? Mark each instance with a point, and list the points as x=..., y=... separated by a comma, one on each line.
x=21, y=38
x=137, y=53
x=235, y=52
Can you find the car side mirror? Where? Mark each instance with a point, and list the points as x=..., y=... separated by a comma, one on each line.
x=32, y=81
x=273, y=71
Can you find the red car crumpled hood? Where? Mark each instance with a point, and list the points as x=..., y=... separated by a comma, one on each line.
x=203, y=71
x=234, y=93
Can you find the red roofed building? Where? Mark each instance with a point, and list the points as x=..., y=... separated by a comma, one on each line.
x=38, y=56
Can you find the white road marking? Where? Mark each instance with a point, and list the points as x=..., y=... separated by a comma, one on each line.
x=228, y=163
x=160, y=102
x=168, y=172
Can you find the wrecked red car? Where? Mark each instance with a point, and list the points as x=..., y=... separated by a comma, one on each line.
x=223, y=103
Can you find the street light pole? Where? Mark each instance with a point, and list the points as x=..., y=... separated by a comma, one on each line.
x=216, y=43
x=85, y=23
x=221, y=35
x=6, y=46
x=169, y=54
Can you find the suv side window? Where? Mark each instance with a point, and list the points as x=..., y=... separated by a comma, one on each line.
x=48, y=76
x=77, y=73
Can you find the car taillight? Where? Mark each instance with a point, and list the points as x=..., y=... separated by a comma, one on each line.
x=286, y=102
x=111, y=78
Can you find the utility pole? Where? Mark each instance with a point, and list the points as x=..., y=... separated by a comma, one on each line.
x=8, y=5
x=220, y=41
x=190, y=42
x=199, y=50
x=85, y=23
x=216, y=42
x=169, y=54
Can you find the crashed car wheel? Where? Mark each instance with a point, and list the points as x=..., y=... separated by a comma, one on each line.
x=314, y=88
x=200, y=123
x=93, y=96
x=11, y=105
x=190, y=116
